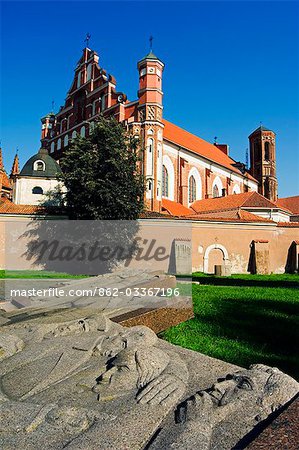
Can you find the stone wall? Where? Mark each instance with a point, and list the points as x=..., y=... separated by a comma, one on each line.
x=235, y=242
x=225, y=243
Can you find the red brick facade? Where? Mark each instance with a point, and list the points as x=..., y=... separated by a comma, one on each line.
x=176, y=164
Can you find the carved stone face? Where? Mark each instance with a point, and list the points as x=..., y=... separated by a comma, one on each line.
x=120, y=377
x=238, y=386
x=260, y=390
x=135, y=338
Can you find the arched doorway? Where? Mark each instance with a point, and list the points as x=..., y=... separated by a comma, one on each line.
x=215, y=254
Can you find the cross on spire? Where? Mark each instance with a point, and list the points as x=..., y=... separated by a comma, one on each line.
x=87, y=39
x=151, y=42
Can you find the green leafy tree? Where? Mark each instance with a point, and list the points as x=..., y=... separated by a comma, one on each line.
x=102, y=174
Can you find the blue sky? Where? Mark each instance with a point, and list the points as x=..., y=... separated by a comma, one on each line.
x=229, y=65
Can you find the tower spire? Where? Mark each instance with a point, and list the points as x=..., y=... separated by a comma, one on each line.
x=1, y=159
x=15, y=170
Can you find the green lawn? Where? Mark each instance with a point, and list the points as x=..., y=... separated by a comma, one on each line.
x=244, y=324
x=34, y=274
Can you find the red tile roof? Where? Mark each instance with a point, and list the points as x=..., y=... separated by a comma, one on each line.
x=199, y=146
x=176, y=209
x=8, y=207
x=288, y=224
x=290, y=203
x=245, y=200
x=235, y=215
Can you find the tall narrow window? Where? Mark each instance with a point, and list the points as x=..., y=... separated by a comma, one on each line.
x=66, y=141
x=88, y=72
x=59, y=144
x=192, y=189
x=150, y=145
x=164, y=182
x=257, y=150
x=149, y=157
x=267, y=151
x=215, y=191
x=94, y=107
x=79, y=80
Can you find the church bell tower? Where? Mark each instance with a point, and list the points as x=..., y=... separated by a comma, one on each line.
x=263, y=161
x=150, y=109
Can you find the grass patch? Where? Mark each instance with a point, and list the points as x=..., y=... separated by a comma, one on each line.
x=273, y=280
x=36, y=274
x=243, y=325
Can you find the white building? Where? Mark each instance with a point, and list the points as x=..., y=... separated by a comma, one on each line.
x=36, y=179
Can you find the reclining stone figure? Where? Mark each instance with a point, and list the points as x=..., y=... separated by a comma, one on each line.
x=245, y=397
x=51, y=353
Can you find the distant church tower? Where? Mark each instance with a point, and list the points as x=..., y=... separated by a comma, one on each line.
x=263, y=161
x=150, y=110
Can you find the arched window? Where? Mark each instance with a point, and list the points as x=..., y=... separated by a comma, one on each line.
x=192, y=189
x=267, y=151
x=216, y=192
x=82, y=132
x=236, y=189
x=217, y=187
x=74, y=134
x=165, y=182
x=39, y=166
x=37, y=190
x=52, y=147
x=59, y=144
x=66, y=140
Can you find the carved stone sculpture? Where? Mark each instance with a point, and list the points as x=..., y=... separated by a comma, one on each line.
x=85, y=383
x=135, y=363
x=57, y=351
x=245, y=397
